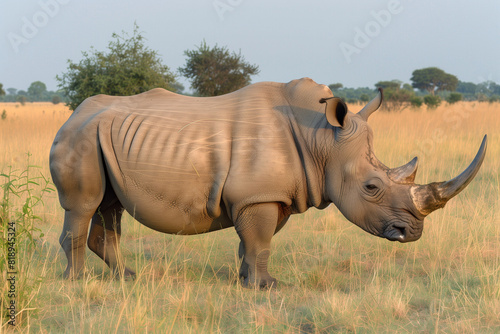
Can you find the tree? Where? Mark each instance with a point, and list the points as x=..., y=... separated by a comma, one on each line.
x=127, y=68
x=494, y=88
x=466, y=87
x=433, y=79
x=37, y=91
x=336, y=86
x=2, y=92
x=12, y=91
x=216, y=71
x=394, y=84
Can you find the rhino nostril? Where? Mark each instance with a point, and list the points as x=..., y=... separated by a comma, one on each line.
x=394, y=232
x=401, y=231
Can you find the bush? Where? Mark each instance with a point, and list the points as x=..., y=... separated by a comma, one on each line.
x=22, y=99
x=432, y=101
x=56, y=99
x=364, y=97
x=4, y=114
x=454, y=98
x=416, y=101
x=397, y=99
x=494, y=98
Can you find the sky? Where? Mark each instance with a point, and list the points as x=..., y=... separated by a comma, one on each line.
x=356, y=43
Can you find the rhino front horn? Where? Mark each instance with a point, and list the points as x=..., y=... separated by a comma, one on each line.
x=433, y=196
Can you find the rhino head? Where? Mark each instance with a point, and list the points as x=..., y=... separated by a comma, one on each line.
x=382, y=201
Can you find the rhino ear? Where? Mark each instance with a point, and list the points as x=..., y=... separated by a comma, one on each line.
x=335, y=111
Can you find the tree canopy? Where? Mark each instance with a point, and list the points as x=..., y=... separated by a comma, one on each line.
x=216, y=71
x=127, y=68
x=393, y=84
x=433, y=79
x=37, y=91
x=2, y=92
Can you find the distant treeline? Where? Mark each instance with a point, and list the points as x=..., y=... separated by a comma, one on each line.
x=37, y=92
x=469, y=91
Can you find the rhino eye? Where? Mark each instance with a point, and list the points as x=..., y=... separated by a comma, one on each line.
x=371, y=187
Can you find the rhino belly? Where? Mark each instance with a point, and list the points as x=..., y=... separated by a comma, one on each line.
x=178, y=211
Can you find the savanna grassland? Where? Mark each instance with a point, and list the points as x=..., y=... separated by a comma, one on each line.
x=333, y=276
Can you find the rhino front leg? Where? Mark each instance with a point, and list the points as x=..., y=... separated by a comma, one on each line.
x=256, y=226
x=241, y=251
x=104, y=237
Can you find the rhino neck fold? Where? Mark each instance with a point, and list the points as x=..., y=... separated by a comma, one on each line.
x=310, y=144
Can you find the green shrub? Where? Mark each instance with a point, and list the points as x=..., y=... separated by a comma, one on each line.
x=454, y=98
x=494, y=98
x=56, y=99
x=432, y=101
x=364, y=97
x=22, y=99
x=416, y=101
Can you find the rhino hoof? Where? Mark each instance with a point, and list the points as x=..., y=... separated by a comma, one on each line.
x=268, y=284
x=264, y=283
x=70, y=274
x=126, y=275
x=129, y=274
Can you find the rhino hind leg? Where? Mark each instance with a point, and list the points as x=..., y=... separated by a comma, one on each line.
x=77, y=175
x=256, y=226
x=105, y=233
x=72, y=241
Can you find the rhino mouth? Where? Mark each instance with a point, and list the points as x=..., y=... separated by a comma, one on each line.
x=396, y=232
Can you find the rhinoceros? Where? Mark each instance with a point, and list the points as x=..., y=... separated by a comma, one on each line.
x=248, y=160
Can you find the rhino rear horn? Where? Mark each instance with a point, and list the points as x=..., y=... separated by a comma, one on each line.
x=372, y=106
x=405, y=173
x=433, y=196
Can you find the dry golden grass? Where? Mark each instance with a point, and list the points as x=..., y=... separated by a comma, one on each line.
x=334, y=277
x=32, y=128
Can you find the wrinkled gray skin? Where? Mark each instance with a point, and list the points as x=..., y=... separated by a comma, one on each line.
x=248, y=159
